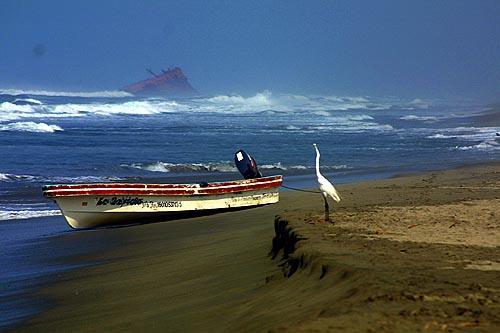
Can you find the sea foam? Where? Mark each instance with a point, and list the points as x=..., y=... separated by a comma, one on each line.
x=27, y=214
x=29, y=126
x=226, y=166
x=420, y=118
x=266, y=101
x=90, y=94
x=183, y=167
x=24, y=101
x=8, y=177
x=126, y=108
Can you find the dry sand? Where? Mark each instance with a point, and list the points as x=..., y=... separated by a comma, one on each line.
x=408, y=254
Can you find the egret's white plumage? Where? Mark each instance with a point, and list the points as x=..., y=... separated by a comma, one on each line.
x=326, y=188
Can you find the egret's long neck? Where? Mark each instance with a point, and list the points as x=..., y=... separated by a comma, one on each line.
x=317, y=162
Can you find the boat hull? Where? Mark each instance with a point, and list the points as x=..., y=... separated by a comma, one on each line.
x=90, y=206
x=152, y=208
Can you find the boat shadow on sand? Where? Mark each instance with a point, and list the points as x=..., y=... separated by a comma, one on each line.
x=169, y=218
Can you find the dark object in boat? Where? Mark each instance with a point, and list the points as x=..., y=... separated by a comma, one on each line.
x=246, y=165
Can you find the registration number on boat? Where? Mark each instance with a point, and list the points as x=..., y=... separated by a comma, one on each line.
x=161, y=204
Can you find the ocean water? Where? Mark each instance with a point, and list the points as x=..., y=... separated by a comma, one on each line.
x=60, y=137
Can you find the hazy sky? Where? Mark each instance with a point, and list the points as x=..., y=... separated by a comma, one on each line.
x=424, y=49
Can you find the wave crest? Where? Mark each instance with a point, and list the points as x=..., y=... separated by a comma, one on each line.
x=488, y=145
x=127, y=108
x=180, y=167
x=27, y=214
x=265, y=101
x=29, y=126
x=104, y=93
x=260, y=99
x=11, y=177
x=225, y=166
x=420, y=118
x=8, y=177
x=26, y=101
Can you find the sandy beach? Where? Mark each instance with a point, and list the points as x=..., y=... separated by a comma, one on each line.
x=417, y=253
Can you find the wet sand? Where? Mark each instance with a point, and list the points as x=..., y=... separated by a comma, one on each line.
x=417, y=253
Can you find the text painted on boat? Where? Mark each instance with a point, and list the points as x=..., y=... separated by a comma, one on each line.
x=115, y=201
x=132, y=201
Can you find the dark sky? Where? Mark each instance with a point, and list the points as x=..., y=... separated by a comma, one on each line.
x=419, y=49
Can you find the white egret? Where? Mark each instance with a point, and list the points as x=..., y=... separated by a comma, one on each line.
x=326, y=188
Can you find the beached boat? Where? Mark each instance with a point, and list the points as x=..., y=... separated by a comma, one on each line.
x=94, y=205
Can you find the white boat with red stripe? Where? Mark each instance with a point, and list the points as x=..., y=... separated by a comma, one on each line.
x=105, y=204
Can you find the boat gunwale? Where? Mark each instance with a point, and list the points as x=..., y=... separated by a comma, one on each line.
x=108, y=189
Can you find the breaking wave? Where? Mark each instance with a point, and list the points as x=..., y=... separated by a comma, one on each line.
x=441, y=136
x=179, y=167
x=26, y=101
x=29, y=126
x=90, y=94
x=470, y=138
x=264, y=102
x=434, y=119
x=11, y=111
x=263, y=99
x=417, y=103
x=226, y=166
x=27, y=214
x=7, y=177
x=279, y=166
x=420, y=118
x=126, y=108
x=488, y=145
x=11, y=177
x=467, y=133
x=337, y=124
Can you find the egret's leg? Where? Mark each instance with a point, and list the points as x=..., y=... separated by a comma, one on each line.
x=327, y=209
